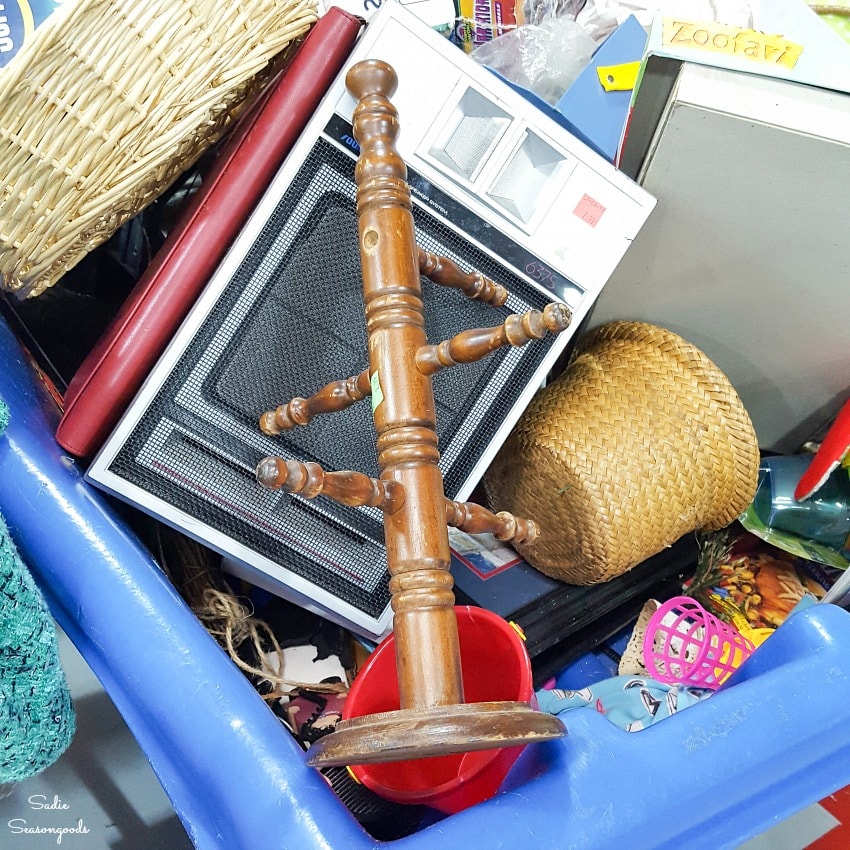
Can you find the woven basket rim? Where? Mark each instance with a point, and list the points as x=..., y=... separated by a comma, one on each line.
x=107, y=103
x=565, y=437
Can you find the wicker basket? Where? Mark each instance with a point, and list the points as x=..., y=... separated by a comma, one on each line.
x=108, y=103
x=641, y=440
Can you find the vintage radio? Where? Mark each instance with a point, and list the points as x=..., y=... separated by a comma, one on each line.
x=497, y=188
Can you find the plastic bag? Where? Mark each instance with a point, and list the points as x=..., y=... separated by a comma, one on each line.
x=544, y=58
x=537, y=11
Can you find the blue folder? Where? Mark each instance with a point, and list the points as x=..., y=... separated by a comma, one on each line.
x=599, y=117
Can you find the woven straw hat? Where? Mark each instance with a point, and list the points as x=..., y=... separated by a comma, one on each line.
x=641, y=440
x=108, y=103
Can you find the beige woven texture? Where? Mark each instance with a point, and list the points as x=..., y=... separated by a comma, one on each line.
x=641, y=440
x=107, y=104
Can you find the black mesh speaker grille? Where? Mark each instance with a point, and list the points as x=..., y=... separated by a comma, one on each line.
x=288, y=321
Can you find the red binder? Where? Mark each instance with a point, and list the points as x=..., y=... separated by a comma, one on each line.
x=112, y=373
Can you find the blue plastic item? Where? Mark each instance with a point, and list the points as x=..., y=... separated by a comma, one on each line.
x=591, y=114
x=772, y=741
x=598, y=117
x=19, y=21
x=592, y=667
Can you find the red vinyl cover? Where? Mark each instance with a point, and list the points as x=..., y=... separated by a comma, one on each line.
x=110, y=376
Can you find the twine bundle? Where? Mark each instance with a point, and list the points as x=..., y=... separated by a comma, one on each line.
x=231, y=623
x=228, y=618
x=641, y=440
x=108, y=103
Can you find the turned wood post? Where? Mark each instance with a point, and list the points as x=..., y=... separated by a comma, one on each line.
x=418, y=556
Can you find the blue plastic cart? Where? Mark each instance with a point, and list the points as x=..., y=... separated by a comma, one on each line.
x=774, y=740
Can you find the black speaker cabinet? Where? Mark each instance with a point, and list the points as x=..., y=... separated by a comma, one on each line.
x=497, y=188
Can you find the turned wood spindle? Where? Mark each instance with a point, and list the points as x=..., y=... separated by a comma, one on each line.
x=416, y=537
x=336, y=396
x=469, y=346
x=445, y=272
x=432, y=718
x=473, y=519
x=348, y=487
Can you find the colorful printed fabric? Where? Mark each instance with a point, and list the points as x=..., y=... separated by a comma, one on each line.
x=630, y=702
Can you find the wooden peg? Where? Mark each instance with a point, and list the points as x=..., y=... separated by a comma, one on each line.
x=504, y=526
x=445, y=272
x=472, y=345
x=332, y=398
x=310, y=480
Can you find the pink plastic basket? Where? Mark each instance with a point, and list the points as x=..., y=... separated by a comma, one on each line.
x=685, y=644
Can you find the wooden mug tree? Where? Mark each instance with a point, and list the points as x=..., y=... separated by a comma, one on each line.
x=433, y=718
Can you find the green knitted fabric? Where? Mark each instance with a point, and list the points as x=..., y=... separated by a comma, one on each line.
x=37, y=719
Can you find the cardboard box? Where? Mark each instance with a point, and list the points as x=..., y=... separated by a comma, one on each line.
x=480, y=21
x=787, y=41
x=596, y=116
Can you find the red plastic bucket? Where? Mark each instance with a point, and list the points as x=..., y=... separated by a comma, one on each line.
x=495, y=667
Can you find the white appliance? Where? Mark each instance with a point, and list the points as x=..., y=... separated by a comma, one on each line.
x=496, y=187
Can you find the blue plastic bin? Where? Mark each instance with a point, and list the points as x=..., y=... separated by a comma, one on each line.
x=774, y=740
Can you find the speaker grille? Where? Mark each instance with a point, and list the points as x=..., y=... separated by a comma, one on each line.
x=289, y=320
x=470, y=133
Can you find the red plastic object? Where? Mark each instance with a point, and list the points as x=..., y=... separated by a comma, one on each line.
x=835, y=445
x=495, y=666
